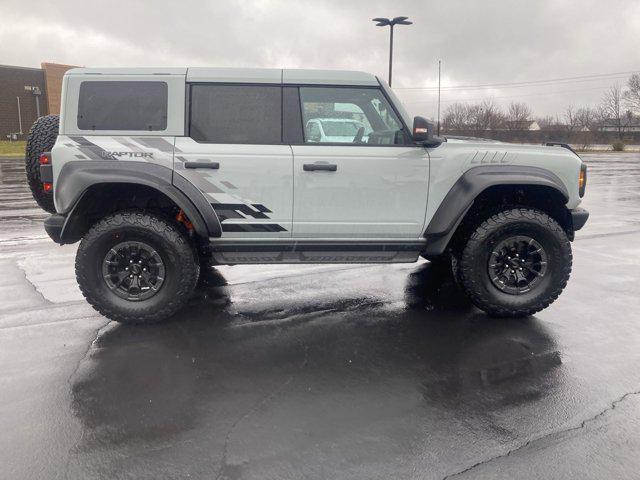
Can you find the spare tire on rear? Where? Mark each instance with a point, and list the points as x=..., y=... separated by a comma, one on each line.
x=41, y=138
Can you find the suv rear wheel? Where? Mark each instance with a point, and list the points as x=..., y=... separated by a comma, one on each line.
x=515, y=263
x=137, y=268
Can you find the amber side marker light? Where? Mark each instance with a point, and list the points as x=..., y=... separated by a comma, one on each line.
x=582, y=181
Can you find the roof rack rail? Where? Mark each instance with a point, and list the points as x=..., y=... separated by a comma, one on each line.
x=560, y=144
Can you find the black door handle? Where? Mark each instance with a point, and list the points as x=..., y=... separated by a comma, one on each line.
x=327, y=167
x=202, y=164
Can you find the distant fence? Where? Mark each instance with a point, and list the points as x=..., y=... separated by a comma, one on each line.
x=542, y=136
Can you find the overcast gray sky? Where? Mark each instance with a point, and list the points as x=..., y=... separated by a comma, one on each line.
x=479, y=42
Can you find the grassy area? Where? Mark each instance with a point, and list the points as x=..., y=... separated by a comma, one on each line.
x=11, y=149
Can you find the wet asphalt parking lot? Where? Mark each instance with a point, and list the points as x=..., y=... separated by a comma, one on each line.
x=324, y=372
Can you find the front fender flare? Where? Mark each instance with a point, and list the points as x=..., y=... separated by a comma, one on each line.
x=472, y=183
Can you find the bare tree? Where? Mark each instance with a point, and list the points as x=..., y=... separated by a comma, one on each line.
x=486, y=116
x=477, y=117
x=570, y=120
x=586, y=121
x=546, y=122
x=517, y=114
x=612, y=109
x=632, y=94
x=456, y=117
x=586, y=118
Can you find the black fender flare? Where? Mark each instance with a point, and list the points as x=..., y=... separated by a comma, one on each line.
x=76, y=178
x=472, y=183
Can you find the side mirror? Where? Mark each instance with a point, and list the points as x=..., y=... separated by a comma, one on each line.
x=423, y=133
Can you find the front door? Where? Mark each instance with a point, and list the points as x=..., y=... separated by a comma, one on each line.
x=235, y=156
x=362, y=178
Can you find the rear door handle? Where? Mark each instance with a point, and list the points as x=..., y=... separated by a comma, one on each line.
x=327, y=167
x=202, y=164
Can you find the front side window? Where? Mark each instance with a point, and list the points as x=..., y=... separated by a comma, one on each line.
x=236, y=114
x=123, y=105
x=350, y=116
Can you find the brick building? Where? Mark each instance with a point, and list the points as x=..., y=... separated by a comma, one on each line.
x=25, y=94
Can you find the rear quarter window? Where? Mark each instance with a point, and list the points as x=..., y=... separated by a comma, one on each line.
x=123, y=105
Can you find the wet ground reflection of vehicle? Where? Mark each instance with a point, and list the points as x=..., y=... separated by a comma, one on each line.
x=315, y=375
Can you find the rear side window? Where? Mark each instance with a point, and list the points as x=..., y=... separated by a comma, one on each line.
x=123, y=106
x=236, y=114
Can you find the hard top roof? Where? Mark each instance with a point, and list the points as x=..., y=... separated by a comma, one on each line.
x=244, y=75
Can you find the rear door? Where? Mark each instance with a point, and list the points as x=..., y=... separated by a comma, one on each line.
x=235, y=155
x=365, y=180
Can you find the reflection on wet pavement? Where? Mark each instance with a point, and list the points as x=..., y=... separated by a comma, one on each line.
x=20, y=217
x=613, y=193
x=310, y=376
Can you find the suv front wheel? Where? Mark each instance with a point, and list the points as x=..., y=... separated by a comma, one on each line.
x=515, y=263
x=135, y=267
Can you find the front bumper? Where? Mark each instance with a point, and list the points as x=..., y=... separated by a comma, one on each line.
x=53, y=225
x=579, y=217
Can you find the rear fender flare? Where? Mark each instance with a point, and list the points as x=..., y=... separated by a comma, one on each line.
x=76, y=178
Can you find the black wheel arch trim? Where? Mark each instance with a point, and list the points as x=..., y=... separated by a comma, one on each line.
x=76, y=178
x=472, y=183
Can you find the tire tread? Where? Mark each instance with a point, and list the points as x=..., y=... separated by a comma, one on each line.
x=473, y=245
x=188, y=266
x=41, y=138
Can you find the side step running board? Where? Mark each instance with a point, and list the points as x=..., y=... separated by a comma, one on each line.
x=251, y=252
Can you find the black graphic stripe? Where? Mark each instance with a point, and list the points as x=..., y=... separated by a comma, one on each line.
x=226, y=214
x=261, y=208
x=158, y=143
x=241, y=208
x=90, y=149
x=252, y=227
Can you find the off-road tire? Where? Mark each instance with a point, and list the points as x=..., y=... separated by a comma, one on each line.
x=41, y=138
x=474, y=259
x=176, y=251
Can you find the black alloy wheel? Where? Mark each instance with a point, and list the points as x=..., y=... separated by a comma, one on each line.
x=517, y=264
x=133, y=270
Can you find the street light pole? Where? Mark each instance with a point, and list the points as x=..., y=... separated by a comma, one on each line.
x=390, y=53
x=391, y=22
x=439, y=65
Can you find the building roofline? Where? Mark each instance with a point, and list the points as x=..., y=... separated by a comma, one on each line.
x=21, y=68
x=53, y=64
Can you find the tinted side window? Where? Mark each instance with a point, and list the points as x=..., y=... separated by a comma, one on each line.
x=349, y=115
x=122, y=105
x=236, y=114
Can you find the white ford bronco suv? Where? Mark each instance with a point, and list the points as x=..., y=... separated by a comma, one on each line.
x=162, y=172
